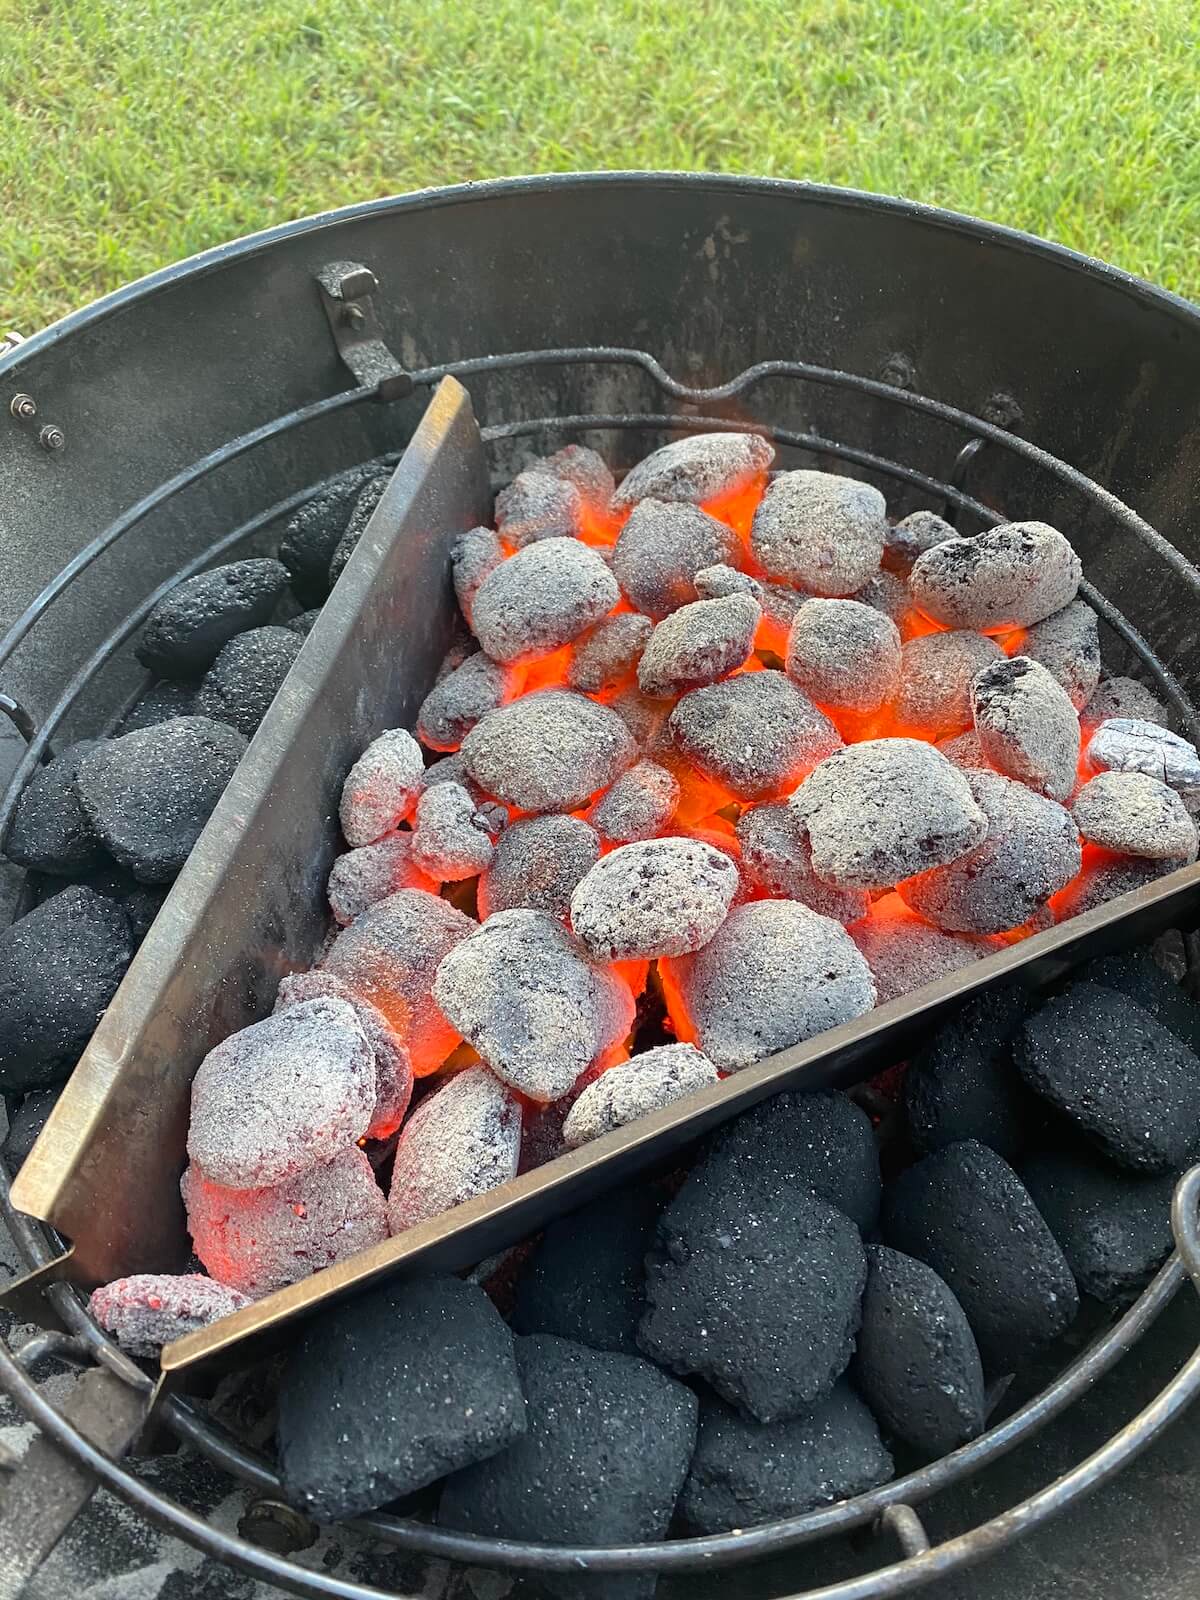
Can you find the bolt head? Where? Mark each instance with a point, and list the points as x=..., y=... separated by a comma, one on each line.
x=52, y=437
x=23, y=407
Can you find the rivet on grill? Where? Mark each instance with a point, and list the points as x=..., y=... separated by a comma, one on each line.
x=1003, y=410
x=899, y=371
x=272, y=1525
x=52, y=437
x=23, y=407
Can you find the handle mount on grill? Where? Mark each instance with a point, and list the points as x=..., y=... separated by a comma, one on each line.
x=347, y=288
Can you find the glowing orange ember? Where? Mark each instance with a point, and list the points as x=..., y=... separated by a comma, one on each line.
x=679, y=1018
x=736, y=508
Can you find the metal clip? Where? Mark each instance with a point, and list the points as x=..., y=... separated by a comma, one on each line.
x=346, y=289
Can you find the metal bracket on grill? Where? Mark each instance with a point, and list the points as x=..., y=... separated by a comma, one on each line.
x=346, y=290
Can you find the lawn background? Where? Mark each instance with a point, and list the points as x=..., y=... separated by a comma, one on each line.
x=134, y=132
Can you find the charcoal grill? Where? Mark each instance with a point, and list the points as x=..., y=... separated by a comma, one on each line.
x=829, y=319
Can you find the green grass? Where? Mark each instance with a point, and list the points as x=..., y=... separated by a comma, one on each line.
x=133, y=132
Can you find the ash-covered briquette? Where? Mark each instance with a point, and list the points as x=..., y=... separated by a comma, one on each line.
x=887, y=593
x=819, y=531
x=588, y=471
x=1136, y=973
x=660, y=550
x=904, y=953
x=697, y=644
x=150, y=1309
x=646, y=720
x=304, y=623
x=381, y=787
x=537, y=864
x=911, y=537
x=522, y=991
x=451, y=769
x=315, y=530
x=361, y=513
x=634, y=1088
x=774, y=975
x=936, y=675
x=450, y=838
x=776, y=857
x=1114, y=1227
x=705, y=467
x=819, y=1140
x=965, y=1213
x=1135, y=815
x=260, y=1240
x=880, y=810
x=461, y=699
x=963, y=1083
x=1067, y=644
x=1125, y=744
x=762, y=1303
x=607, y=655
x=965, y=751
x=283, y=1095
x=755, y=733
x=473, y=555
x=161, y=703
x=917, y=1364
x=1130, y=1086
x=246, y=676
x=606, y=1449
x=586, y=1278
x=638, y=806
x=358, y=878
x=1109, y=877
x=148, y=794
x=189, y=627
x=1030, y=852
x=461, y=1141
x=656, y=897
x=540, y=598
x=1123, y=697
x=1027, y=725
x=538, y=505
x=844, y=654
x=1006, y=577
x=393, y=1391
x=389, y=955
x=779, y=601
x=549, y=751
x=393, y=1069
x=50, y=831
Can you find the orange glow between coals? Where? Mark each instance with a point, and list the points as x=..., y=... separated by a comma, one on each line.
x=736, y=509
x=679, y=1018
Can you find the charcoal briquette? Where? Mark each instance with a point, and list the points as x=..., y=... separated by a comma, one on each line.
x=304, y=623
x=1136, y=973
x=538, y=505
x=548, y=751
x=1067, y=644
x=1135, y=815
x=361, y=513
x=660, y=550
x=537, y=863
x=162, y=702
x=190, y=626
x=1123, y=697
x=25, y=1124
x=381, y=787
x=1125, y=744
x=776, y=857
x=1007, y=577
x=314, y=531
x=540, y=598
x=692, y=471
x=911, y=537
x=904, y=953
x=450, y=839
x=607, y=655
x=639, y=804
x=50, y=830
x=461, y=1141
x=819, y=531
x=461, y=699
x=634, y=1088
x=936, y=675
x=148, y=1310
x=965, y=751
x=358, y=878
x=756, y=733
x=844, y=654
x=588, y=471
x=1027, y=726
x=656, y=897
x=141, y=906
x=963, y=1083
x=473, y=555
x=887, y=593
x=1107, y=877
x=698, y=644
x=246, y=676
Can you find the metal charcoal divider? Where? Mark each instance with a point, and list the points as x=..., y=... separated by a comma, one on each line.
x=889, y=1507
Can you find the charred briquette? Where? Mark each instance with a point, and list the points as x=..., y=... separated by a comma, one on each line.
x=537, y=863
x=283, y=1095
x=358, y=878
x=313, y=533
x=51, y=832
x=586, y=1278
x=606, y=1449
x=911, y=537
x=761, y=1303
x=820, y=531
x=844, y=654
x=148, y=1310
x=522, y=991
x=1007, y=577
x=149, y=794
x=1067, y=644
x=587, y=470
x=25, y=1125
x=936, y=675
x=776, y=857
x=1135, y=815
x=883, y=809
x=246, y=676
x=188, y=627
x=706, y=467
x=657, y=897
x=646, y=719
x=450, y=838
x=304, y=623
x=963, y=1084
x=1136, y=973
x=745, y=1473
x=461, y=699
x=549, y=751
x=638, y=806
x=538, y=505
x=1027, y=725
x=540, y=598
x=820, y=1141
x=965, y=751
x=755, y=733
x=1106, y=878
x=660, y=550
x=779, y=601
x=1131, y=1087
x=60, y=965
x=361, y=513
x=381, y=787
x=1031, y=852
x=393, y=1069
x=461, y=1141
x=634, y=1088
x=1114, y=1227
x=473, y=555
x=1124, y=744
x=698, y=644
x=887, y=593
x=606, y=656
x=965, y=1213
x=917, y=1363
x=163, y=702
x=904, y=953
x=260, y=1240
x=451, y=769
x=364, y=1416
x=1123, y=697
